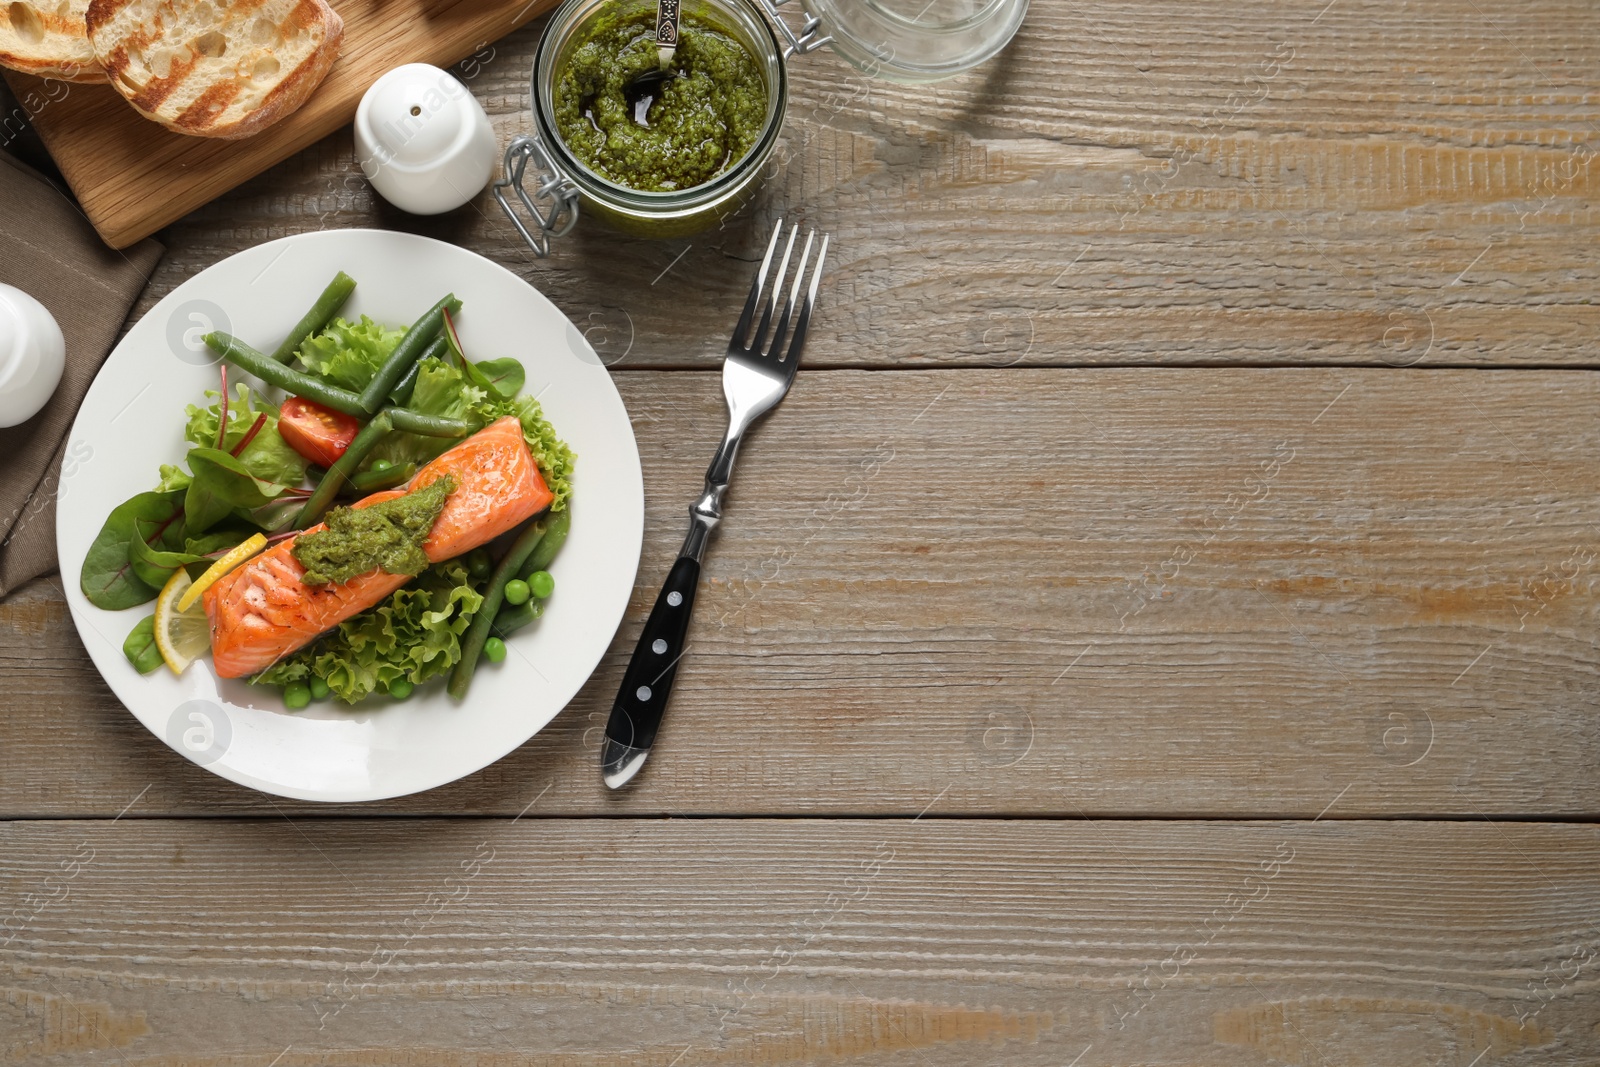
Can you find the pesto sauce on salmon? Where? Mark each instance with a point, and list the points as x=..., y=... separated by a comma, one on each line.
x=387, y=536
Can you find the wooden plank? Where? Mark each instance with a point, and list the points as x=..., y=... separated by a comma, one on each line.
x=1259, y=183
x=133, y=176
x=1118, y=591
x=579, y=943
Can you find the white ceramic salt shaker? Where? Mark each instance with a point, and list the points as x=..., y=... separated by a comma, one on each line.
x=423, y=140
x=32, y=356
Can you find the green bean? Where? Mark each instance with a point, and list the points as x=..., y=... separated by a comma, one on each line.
x=514, y=617
x=401, y=394
x=289, y=380
x=483, y=621
x=372, y=481
x=408, y=421
x=510, y=620
x=321, y=313
x=322, y=497
x=556, y=525
x=407, y=352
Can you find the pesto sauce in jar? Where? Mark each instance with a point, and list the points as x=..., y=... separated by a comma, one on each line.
x=699, y=123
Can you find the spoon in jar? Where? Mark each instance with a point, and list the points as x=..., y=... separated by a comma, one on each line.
x=641, y=89
x=666, y=30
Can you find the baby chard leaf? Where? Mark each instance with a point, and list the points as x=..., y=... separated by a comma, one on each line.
x=154, y=566
x=215, y=541
x=140, y=646
x=502, y=377
x=108, y=578
x=222, y=484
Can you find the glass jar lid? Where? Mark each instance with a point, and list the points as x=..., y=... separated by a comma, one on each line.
x=907, y=40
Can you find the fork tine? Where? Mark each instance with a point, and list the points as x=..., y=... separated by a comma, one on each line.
x=759, y=341
x=793, y=355
x=774, y=351
x=757, y=290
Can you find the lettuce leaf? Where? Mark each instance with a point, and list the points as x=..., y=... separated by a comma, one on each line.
x=555, y=459
x=268, y=456
x=348, y=354
x=444, y=389
x=173, y=478
x=415, y=634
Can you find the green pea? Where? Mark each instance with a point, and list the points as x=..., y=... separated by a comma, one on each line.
x=494, y=650
x=380, y=465
x=319, y=688
x=400, y=688
x=542, y=584
x=517, y=591
x=478, y=563
x=296, y=695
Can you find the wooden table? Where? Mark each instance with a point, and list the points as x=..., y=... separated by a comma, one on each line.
x=1159, y=629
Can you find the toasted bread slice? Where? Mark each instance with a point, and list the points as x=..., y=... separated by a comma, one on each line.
x=215, y=68
x=47, y=38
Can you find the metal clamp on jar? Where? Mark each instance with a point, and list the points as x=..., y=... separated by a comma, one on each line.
x=901, y=40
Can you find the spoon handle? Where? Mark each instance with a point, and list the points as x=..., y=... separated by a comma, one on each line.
x=666, y=29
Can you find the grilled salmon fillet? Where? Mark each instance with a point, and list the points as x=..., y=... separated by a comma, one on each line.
x=262, y=610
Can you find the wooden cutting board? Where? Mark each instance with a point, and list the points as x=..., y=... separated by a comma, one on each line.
x=133, y=177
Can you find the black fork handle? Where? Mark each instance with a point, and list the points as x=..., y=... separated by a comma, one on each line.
x=647, y=683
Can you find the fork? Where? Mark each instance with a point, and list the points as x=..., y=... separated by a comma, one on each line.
x=755, y=376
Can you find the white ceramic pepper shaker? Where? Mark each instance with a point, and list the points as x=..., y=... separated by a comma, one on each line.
x=423, y=140
x=32, y=356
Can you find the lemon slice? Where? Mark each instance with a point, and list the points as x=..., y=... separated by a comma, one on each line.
x=180, y=635
x=236, y=555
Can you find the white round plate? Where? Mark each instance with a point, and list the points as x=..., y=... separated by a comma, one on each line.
x=132, y=422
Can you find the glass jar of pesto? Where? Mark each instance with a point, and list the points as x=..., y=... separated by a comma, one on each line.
x=690, y=150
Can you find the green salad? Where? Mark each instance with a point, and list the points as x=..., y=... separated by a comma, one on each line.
x=368, y=405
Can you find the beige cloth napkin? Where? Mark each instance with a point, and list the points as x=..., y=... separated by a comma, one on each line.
x=49, y=250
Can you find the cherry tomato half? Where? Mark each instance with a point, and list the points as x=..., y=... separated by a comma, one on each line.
x=319, y=434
